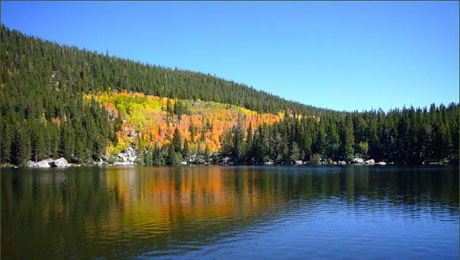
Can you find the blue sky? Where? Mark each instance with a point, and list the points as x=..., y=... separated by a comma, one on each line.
x=339, y=55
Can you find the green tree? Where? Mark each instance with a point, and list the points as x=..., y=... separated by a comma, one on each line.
x=176, y=141
x=347, y=141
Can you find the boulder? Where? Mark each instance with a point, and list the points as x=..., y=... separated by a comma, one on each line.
x=358, y=160
x=60, y=163
x=381, y=163
x=268, y=163
x=129, y=155
x=226, y=160
x=45, y=163
x=298, y=162
x=123, y=163
x=100, y=162
x=342, y=163
x=30, y=164
x=183, y=163
x=370, y=162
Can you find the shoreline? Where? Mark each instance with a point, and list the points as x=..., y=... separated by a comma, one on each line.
x=235, y=165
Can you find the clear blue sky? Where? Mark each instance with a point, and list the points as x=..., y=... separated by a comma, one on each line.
x=340, y=55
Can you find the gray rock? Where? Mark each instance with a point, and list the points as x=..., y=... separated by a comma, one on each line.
x=358, y=160
x=123, y=163
x=127, y=156
x=44, y=163
x=342, y=163
x=60, y=163
x=30, y=164
x=298, y=162
x=100, y=162
x=226, y=160
x=381, y=163
x=370, y=162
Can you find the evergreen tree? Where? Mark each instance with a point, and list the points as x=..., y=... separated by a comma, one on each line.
x=21, y=147
x=186, y=151
x=176, y=141
x=173, y=157
x=347, y=150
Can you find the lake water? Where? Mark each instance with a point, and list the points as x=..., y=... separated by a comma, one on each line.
x=230, y=213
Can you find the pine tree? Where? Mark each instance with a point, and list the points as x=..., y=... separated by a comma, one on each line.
x=6, y=141
x=207, y=154
x=176, y=141
x=157, y=156
x=21, y=147
x=249, y=149
x=186, y=151
x=320, y=142
x=295, y=152
x=347, y=149
x=38, y=142
x=173, y=157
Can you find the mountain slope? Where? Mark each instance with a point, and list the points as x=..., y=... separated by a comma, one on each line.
x=61, y=101
x=85, y=71
x=153, y=120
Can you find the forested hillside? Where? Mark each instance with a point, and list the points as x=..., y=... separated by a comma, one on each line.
x=61, y=101
x=150, y=121
x=77, y=71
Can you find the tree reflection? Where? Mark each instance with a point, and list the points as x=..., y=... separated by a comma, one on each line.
x=86, y=213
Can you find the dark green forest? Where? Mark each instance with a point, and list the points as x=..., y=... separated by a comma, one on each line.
x=406, y=136
x=43, y=114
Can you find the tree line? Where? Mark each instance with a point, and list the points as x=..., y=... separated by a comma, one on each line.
x=406, y=136
x=402, y=136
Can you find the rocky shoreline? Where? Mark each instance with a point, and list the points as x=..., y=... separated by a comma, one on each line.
x=48, y=163
x=129, y=157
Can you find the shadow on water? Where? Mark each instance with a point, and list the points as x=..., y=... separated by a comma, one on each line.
x=149, y=212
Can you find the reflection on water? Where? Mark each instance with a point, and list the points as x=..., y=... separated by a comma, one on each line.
x=230, y=212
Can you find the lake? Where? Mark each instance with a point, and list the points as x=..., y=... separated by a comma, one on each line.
x=247, y=212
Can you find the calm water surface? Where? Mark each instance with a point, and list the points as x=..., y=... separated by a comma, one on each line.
x=230, y=213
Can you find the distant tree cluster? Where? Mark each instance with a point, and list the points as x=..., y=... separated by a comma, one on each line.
x=176, y=152
x=407, y=136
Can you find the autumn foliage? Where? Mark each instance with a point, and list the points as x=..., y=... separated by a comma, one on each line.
x=151, y=120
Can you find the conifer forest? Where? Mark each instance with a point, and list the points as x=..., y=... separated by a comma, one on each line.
x=61, y=101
